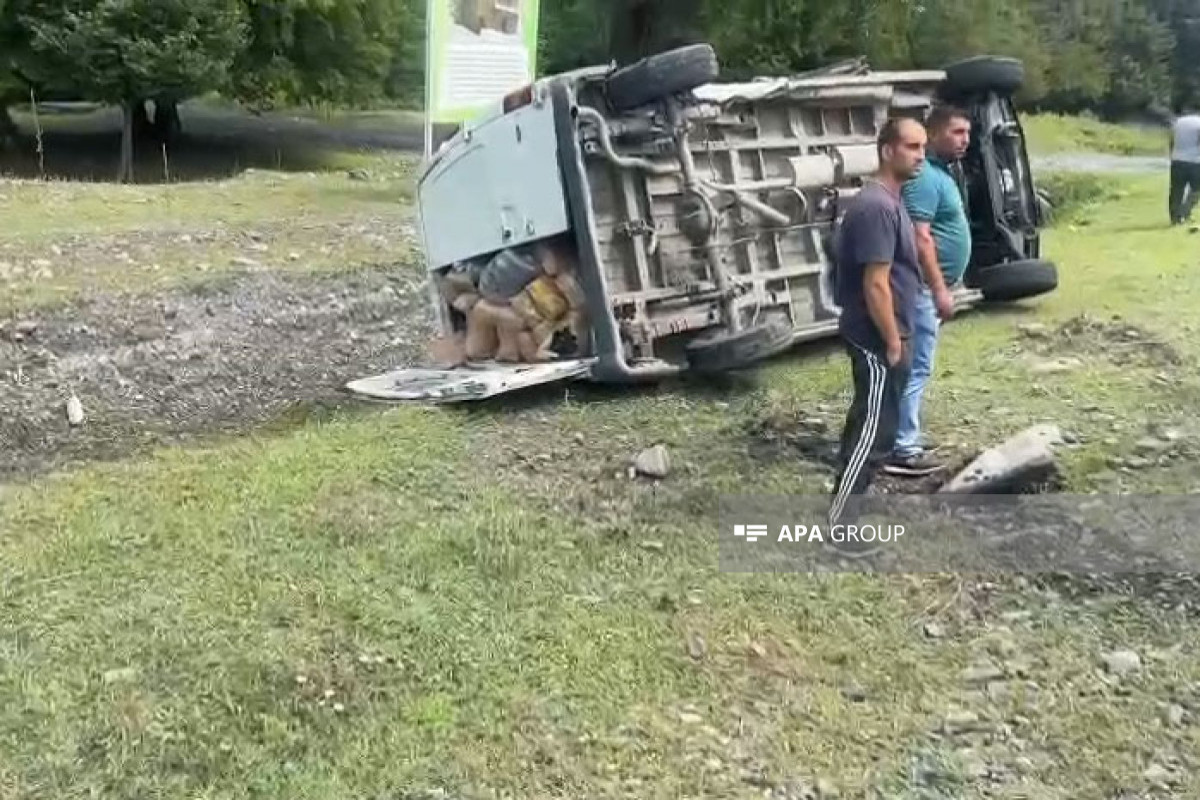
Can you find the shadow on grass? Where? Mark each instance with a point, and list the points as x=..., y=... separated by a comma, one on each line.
x=216, y=143
x=997, y=309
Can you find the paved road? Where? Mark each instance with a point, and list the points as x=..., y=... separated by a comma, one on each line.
x=1098, y=162
x=380, y=130
x=394, y=131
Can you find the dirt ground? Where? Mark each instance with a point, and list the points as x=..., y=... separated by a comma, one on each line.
x=225, y=358
x=238, y=301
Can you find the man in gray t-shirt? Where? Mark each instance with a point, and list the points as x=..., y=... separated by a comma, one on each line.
x=878, y=277
x=1185, y=167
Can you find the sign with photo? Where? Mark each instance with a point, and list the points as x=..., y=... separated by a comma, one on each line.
x=479, y=51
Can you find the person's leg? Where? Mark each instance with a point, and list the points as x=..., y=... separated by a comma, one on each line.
x=898, y=379
x=1192, y=191
x=926, y=327
x=909, y=458
x=1178, y=186
x=870, y=429
x=861, y=373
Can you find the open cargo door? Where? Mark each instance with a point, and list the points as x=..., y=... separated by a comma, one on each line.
x=467, y=382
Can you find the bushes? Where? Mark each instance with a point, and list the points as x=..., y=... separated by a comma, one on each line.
x=1074, y=194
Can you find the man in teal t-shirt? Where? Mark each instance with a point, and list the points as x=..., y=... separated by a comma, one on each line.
x=935, y=204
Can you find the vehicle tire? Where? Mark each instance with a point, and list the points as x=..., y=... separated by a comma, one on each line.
x=1016, y=280
x=662, y=75
x=725, y=351
x=985, y=74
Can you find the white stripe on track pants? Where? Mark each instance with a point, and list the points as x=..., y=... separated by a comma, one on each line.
x=870, y=430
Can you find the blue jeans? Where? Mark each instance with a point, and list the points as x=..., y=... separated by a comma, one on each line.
x=926, y=326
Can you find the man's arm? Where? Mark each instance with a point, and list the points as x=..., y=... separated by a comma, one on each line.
x=877, y=290
x=928, y=256
x=872, y=235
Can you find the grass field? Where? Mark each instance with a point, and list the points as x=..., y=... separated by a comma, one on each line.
x=68, y=239
x=1057, y=133
x=393, y=602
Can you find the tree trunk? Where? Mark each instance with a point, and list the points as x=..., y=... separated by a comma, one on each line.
x=142, y=129
x=8, y=129
x=167, y=124
x=125, y=172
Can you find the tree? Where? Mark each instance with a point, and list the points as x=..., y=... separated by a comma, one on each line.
x=638, y=28
x=1183, y=18
x=9, y=90
x=333, y=51
x=573, y=34
x=121, y=51
x=1140, y=61
x=948, y=30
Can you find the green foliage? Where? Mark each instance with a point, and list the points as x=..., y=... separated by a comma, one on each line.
x=1114, y=56
x=1139, y=60
x=1074, y=194
x=118, y=50
x=1183, y=18
x=333, y=51
x=573, y=33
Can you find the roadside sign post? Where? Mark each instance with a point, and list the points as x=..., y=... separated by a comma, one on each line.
x=429, y=11
x=476, y=52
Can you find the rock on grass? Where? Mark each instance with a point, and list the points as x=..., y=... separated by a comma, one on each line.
x=1122, y=662
x=75, y=415
x=653, y=463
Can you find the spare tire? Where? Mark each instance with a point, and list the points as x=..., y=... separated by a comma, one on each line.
x=724, y=351
x=662, y=75
x=985, y=74
x=1016, y=280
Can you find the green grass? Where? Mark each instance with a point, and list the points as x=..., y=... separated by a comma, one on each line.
x=39, y=211
x=64, y=240
x=1055, y=133
x=480, y=599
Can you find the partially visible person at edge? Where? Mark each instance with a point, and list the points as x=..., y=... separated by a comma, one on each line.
x=877, y=281
x=1185, y=167
x=935, y=203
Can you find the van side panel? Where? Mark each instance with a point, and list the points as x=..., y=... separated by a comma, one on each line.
x=498, y=186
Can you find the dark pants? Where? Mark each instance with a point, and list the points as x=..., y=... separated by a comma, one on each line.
x=1185, y=190
x=870, y=431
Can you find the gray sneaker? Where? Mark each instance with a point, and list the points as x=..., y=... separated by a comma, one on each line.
x=917, y=465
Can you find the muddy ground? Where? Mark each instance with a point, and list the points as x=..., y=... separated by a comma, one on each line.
x=224, y=358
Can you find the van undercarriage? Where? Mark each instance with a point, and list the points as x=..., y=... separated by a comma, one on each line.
x=696, y=215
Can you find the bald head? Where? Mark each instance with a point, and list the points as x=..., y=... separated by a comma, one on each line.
x=901, y=146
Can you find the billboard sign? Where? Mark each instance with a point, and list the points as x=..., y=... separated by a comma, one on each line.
x=478, y=51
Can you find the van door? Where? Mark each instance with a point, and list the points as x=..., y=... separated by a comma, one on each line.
x=469, y=382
